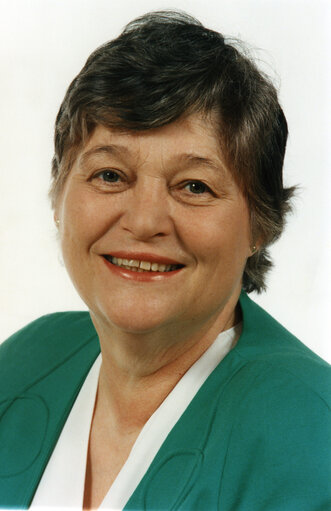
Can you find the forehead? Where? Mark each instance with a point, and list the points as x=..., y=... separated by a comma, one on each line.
x=194, y=135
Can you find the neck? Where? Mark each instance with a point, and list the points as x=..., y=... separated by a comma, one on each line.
x=139, y=370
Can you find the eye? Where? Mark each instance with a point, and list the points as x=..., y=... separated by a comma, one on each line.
x=197, y=187
x=108, y=176
x=109, y=181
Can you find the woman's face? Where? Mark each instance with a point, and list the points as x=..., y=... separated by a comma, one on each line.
x=162, y=196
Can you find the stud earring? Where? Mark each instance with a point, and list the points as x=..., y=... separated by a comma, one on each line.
x=57, y=222
x=253, y=249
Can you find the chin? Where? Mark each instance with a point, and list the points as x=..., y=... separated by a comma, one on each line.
x=131, y=321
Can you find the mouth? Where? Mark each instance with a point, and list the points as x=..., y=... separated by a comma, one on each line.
x=140, y=266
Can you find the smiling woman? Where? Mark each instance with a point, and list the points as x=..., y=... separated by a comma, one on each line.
x=147, y=212
x=175, y=390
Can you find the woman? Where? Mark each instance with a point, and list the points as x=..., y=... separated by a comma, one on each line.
x=167, y=190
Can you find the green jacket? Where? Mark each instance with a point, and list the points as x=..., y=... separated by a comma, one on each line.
x=256, y=437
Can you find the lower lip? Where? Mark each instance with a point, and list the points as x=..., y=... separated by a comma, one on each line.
x=146, y=276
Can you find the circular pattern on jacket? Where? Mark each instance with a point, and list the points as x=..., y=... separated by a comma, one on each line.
x=23, y=425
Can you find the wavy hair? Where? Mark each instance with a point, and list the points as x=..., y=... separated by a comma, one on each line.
x=165, y=65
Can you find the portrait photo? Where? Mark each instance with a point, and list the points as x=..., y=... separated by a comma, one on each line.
x=165, y=247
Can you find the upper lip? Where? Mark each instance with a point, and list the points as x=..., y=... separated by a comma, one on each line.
x=143, y=256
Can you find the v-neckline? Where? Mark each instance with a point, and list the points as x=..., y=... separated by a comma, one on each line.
x=63, y=482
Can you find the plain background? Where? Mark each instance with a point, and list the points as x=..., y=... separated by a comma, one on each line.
x=44, y=44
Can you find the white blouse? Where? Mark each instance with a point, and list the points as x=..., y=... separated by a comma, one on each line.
x=62, y=484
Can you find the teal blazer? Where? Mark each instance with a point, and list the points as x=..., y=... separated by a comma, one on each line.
x=256, y=437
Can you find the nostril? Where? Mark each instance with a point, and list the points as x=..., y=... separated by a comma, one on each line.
x=143, y=229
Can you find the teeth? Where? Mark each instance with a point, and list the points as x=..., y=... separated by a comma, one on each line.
x=140, y=266
x=144, y=265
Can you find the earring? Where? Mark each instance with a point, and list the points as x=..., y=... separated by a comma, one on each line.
x=253, y=249
x=57, y=222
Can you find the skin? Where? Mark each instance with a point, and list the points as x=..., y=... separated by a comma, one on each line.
x=139, y=196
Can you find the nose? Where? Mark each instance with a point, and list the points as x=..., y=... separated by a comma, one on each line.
x=147, y=212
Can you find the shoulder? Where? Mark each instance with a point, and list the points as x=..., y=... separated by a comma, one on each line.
x=280, y=441
x=46, y=342
x=50, y=331
x=278, y=355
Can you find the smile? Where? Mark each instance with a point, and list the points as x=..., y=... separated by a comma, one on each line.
x=138, y=266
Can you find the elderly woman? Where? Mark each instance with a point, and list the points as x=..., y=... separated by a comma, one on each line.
x=175, y=391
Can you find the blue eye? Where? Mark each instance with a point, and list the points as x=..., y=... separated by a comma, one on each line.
x=197, y=187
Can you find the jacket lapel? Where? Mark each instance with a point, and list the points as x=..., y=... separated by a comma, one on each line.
x=34, y=408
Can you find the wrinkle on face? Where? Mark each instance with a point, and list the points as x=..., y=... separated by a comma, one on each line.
x=211, y=237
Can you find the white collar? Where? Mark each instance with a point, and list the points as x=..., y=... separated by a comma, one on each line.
x=62, y=484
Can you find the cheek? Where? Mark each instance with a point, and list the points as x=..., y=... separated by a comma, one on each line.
x=86, y=217
x=218, y=235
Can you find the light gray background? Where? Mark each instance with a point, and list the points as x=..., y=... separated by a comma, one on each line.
x=43, y=45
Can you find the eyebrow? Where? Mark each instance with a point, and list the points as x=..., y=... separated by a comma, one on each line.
x=185, y=158
x=195, y=160
x=110, y=149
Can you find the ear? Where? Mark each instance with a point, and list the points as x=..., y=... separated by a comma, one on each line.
x=56, y=220
x=256, y=245
x=257, y=237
